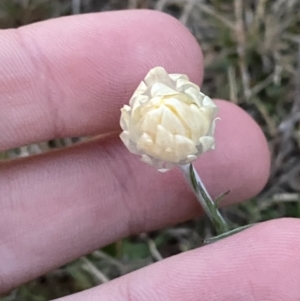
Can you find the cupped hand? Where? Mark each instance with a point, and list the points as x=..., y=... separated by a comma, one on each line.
x=69, y=77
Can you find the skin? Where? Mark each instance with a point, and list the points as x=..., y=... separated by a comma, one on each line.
x=69, y=77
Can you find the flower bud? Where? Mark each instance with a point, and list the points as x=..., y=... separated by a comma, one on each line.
x=168, y=121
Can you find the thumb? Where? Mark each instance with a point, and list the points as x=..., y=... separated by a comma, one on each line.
x=261, y=263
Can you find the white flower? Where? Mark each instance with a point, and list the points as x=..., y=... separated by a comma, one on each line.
x=168, y=121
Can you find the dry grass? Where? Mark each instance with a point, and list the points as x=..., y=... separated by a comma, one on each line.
x=252, y=58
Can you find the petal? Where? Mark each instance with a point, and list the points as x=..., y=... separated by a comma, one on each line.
x=175, y=77
x=147, y=159
x=211, y=131
x=182, y=85
x=160, y=89
x=150, y=120
x=145, y=144
x=172, y=123
x=131, y=146
x=142, y=87
x=177, y=103
x=191, y=158
x=157, y=75
x=184, y=147
x=193, y=117
x=194, y=95
x=164, y=140
x=208, y=102
x=125, y=117
x=138, y=101
x=206, y=143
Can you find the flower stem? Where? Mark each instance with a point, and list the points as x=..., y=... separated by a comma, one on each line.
x=204, y=198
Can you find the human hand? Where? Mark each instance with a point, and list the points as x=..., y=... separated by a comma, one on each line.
x=69, y=77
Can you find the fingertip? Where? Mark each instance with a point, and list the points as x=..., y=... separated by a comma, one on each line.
x=69, y=76
x=189, y=56
x=129, y=42
x=260, y=263
x=162, y=40
x=239, y=140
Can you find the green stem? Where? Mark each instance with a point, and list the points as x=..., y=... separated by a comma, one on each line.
x=227, y=234
x=204, y=198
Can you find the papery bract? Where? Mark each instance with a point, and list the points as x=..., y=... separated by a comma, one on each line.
x=168, y=121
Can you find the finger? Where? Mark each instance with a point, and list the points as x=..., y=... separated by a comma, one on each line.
x=261, y=263
x=70, y=76
x=59, y=206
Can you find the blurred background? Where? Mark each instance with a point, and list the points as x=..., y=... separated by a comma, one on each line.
x=252, y=58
